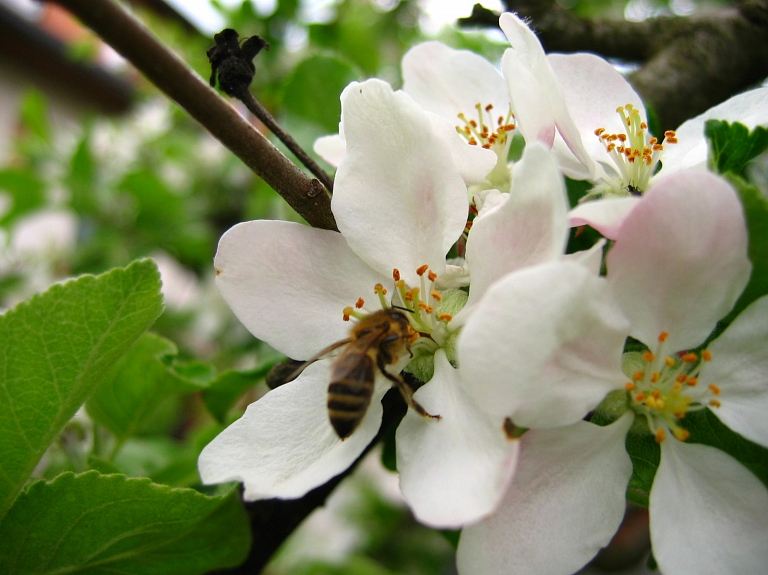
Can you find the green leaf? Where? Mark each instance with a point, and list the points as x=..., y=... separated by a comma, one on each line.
x=25, y=189
x=733, y=146
x=229, y=385
x=107, y=524
x=756, y=215
x=56, y=348
x=313, y=89
x=34, y=114
x=645, y=454
x=136, y=386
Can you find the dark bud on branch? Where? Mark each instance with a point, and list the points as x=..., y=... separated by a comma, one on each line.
x=233, y=62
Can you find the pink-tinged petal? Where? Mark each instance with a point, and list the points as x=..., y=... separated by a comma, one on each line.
x=534, y=116
x=749, y=108
x=398, y=198
x=709, y=513
x=454, y=470
x=289, y=284
x=544, y=345
x=592, y=259
x=540, y=84
x=594, y=89
x=680, y=259
x=331, y=148
x=739, y=367
x=528, y=229
x=447, y=82
x=474, y=163
x=566, y=501
x=606, y=215
x=283, y=446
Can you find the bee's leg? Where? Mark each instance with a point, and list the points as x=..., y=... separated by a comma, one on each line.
x=407, y=393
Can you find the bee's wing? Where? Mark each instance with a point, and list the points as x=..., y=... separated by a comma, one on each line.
x=319, y=355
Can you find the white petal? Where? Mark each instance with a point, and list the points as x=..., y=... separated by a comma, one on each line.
x=454, y=470
x=739, y=367
x=709, y=514
x=448, y=82
x=680, y=259
x=544, y=345
x=593, y=89
x=606, y=216
x=566, y=501
x=283, y=445
x=331, y=148
x=398, y=198
x=749, y=108
x=289, y=283
x=592, y=259
x=529, y=228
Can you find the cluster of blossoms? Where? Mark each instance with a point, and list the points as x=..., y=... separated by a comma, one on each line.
x=514, y=335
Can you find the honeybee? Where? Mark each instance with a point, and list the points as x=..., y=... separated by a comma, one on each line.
x=374, y=343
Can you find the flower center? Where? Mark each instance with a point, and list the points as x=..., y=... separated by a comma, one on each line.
x=421, y=305
x=635, y=153
x=665, y=388
x=491, y=134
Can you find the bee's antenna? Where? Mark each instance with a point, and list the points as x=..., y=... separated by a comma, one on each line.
x=402, y=308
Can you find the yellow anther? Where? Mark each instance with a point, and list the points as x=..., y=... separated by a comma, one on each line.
x=655, y=377
x=408, y=295
x=446, y=317
x=348, y=311
x=669, y=361
x=436, y=295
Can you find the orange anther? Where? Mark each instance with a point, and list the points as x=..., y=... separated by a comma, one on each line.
x=489, y=107
x=663, y=336
x=420, y=270
x=429, y=309
x=599, y=131
x=659, y=436
x=714, y=389
x=432, y=276
x=359, y=303
x=640, y=397
x=648, y=356
x=690, y=357
x=714, y=403
x=436, y=295
x=691, y=381
x=681, y=434
x=638, y=376
x=396, y=274
x=629, y=386
x=706, y=355
x=446, y=317
x=655, y=377
x=669, y=134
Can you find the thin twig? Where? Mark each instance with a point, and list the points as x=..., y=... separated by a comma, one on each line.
x=171, y=75
x=255, y=107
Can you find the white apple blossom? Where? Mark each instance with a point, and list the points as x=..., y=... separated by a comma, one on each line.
x=400, y=204
x=678, y=266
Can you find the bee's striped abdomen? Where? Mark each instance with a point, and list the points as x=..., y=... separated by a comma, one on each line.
x=349, y=393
